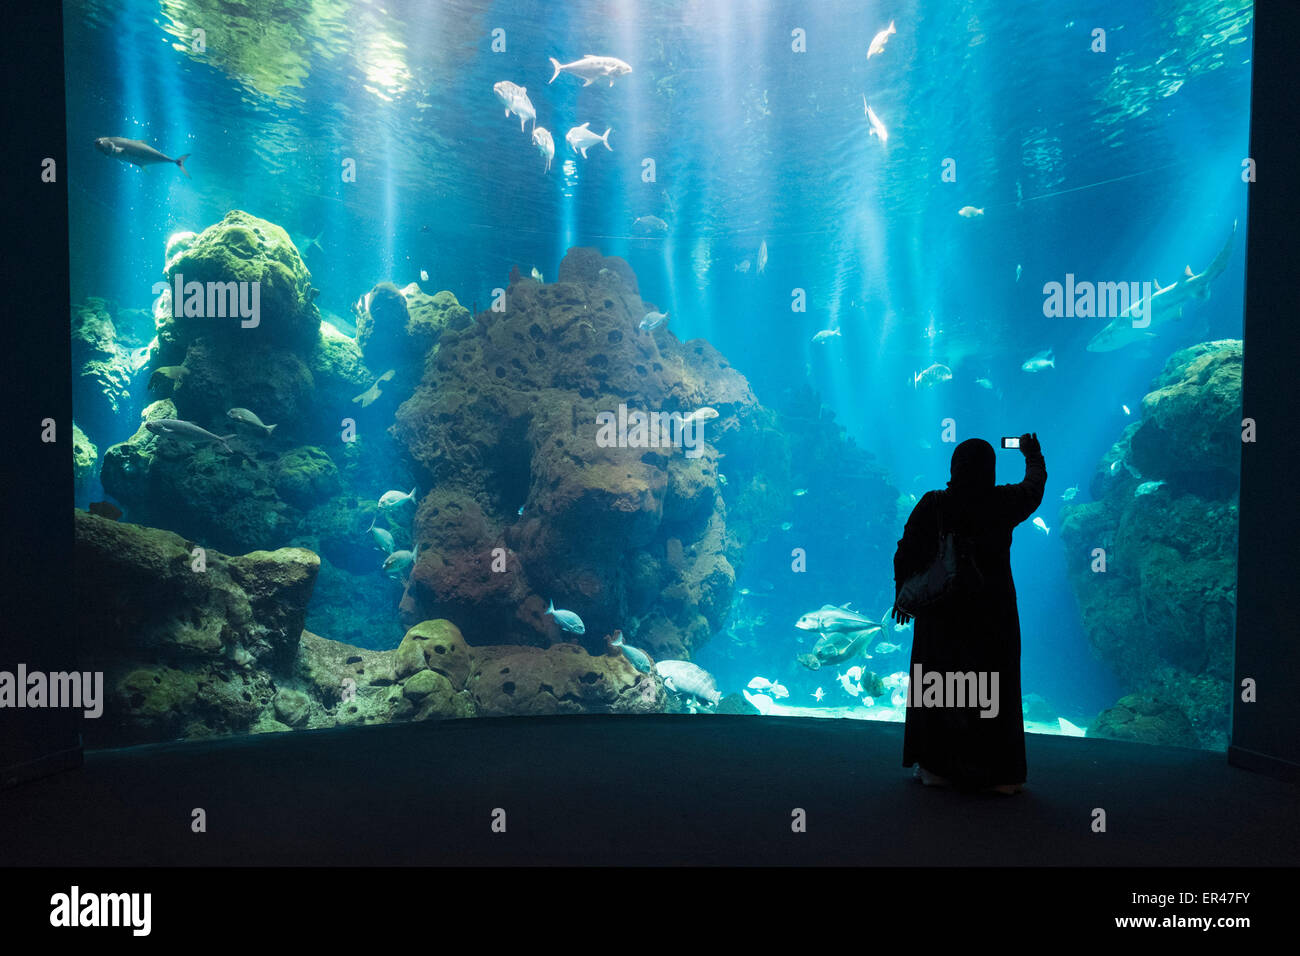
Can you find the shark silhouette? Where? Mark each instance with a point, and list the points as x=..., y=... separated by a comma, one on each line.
x=1144, y=319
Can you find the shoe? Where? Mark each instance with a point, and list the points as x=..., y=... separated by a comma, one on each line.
x=931, y=779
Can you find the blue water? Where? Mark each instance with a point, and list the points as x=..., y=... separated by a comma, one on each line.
x=1122, y=165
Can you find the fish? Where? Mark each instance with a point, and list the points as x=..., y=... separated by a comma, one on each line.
x=567, y=620
x=759, y=683
x=591, y=68
x=520, y=512
x=886, y=647
x=970, y=212
x=392, y=499
x=931, y=376
x=1126, y=410
x=302, y=242
x=187, y=431
x=743, y=267
x=1148, y=487
x=373, y=392
x=850, y=685
x=652, y=321
x=171, y=373
x=818, y=694
x=761, y=702
x=383, y=537
x=1068, y=729
x=1041, y=525
x=536, y=274
x=545, y=144
x=877, y=127
x=983, y=383
x=1018, y=267
x=880, y=39
x=786, y=525
x=898, y=698
x=829, y=618
x=762, y=256
x=398, y=563
x=424, y=275
x=780, y=691
x=105, y=509
x=800, y=492
x=1040, y=361
x=687, y=679
x=1069, y=493
x=515, y=99
x=704, y=413
x=244, y=416
x=1163, y=307
x=825, y=335
x=581, y=138
x=650, y=226
x=134, y=151
x=636, y=657
x=895, y=681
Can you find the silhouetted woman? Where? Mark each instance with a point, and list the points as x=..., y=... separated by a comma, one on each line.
x=977, y=632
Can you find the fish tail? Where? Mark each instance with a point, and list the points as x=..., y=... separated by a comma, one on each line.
x=550, y=608
x=412, y=494
x=271, y=428
x=181, y=163
x=605, y=139
x=891, y=27
x=555, y=63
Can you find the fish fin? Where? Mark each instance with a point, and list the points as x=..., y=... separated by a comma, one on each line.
x=584, y=125
x=583, y=150
x=555, y=63
x=891, y=27
x=550, y=607
x=522, y=124
x=271, y=428
x=507, y=111
x=412, y=494
x=586, y=82
x=605, y=139
x=181, y=163
x=1188, y=272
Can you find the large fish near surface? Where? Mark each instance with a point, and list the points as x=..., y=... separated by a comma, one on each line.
x=1163, y=307
x=134, y=151
x=830, y=618
x=591, y=68
x=545, y=145
x=515, y=99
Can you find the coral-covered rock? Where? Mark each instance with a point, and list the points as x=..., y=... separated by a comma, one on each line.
x=85, y=456
x=1162, y=611
x=242, y=249
x=104, y=370
x=400, y=328
x=306, y=476
x=562, y=679
x=1145, y=719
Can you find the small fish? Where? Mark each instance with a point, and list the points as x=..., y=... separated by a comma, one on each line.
x=187, y=431
x=1148, y=487
x=762, y=256
x=786, y=525
x=134, y=151
x=880, y=39
x=743, y=267
x=886, y=647
x=970, y=212
x=304, y=243
x=591, y=68
x=581, y=139
x=650, y=226
x=1043, y=360
x=704, y=413
x=567, y=620
x=818, y=694
x=105, y=509
x=171, y=373
x=780, y=691
x=850, y=685
x=545, y=144
x=898, y=698
x=371, y=394
x=1069, y=493
x=1018, y=272
x=383, y=537
x=1041, y=525
x=652, y=321
x=984, y=383
x=398, y=563
x=895, y=681
x=825, y=335
x=637, y=657
x=392, y=499
x=536, y=274
x=877, y=127
x=520, y=512
x=800, y=492
x=762, y=703
x=245, y=417
x=515, y=99
x=759, y=683
x=931, y=376
x=424, y=275
x=1126, y=410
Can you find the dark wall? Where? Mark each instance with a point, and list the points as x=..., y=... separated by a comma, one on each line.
x=1264, y=733
x=35, y=477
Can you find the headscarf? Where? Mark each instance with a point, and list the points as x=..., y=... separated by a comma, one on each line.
x=973, y=466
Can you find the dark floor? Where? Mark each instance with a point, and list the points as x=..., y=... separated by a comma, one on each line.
x=655, y=790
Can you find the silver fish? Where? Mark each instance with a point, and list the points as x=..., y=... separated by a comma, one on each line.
x=373, y=392
x=246, y=417
x=186, y=431
x=567, y=620
x=134, y=151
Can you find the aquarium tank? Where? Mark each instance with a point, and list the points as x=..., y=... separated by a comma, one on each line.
x=455, y=359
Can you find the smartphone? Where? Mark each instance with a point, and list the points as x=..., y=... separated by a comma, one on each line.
x=1011, y=443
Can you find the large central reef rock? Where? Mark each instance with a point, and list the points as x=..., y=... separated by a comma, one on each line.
x=1162, y=613
x=528, y=505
